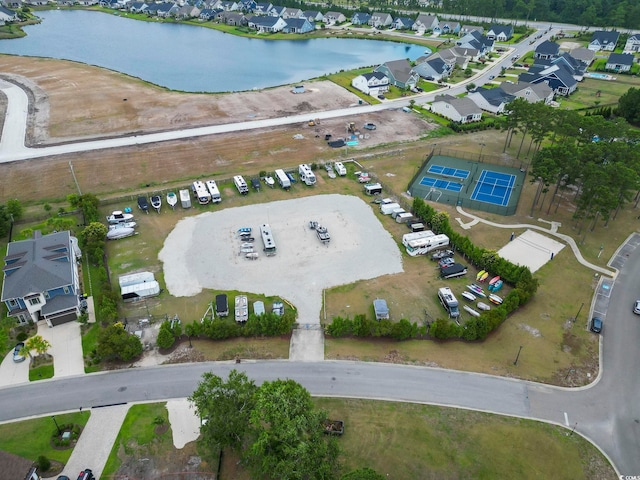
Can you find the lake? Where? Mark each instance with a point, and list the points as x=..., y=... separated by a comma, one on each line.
x=192, y=59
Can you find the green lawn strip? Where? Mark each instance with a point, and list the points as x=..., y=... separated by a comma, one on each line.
x=32, y=438
x=41, y=373
x=408, y=441
x=138, y=430
x=89, y=341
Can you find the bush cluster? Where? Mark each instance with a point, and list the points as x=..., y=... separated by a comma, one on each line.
x=484, y=124
x=361, y=326
x=267, y=324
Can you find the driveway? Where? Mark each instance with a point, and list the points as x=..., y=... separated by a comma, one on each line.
x=12, y=373
x=66, y=348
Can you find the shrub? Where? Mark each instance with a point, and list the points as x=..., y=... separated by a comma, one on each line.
x=44, y=463
x=22, y=336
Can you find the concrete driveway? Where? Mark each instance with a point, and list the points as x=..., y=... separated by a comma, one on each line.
x=66, y=348
x=12, y=373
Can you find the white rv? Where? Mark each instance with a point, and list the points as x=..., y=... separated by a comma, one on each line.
x=200, y=192
x=448, y=301
x=267, y=240
x=422, y=246
x=340, y=168
x=214, y=191
x=185, y=198
x=241, y=185
x=306, y=175
x=373, y=189
x=407, y=237
x=388, y=208
x=283, y=179
x=241, y=308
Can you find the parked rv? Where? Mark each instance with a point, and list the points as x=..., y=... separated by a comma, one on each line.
x=416, y=226
x=241, y=308
x=372, y=188
x=240, y=184
x=201, y=192
x=404, y=217
x=424, y=245
x=453, y=271
x=212, y=187
x=306, y=175
x=449, y=301
x=396, y=212
x=283, y=179
x=185, y=198
x=222, y=305
x=340, y=168
x=387, y=208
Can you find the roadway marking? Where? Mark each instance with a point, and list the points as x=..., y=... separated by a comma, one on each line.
x=566, y=419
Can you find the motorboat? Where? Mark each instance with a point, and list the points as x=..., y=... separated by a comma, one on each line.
x=118, y=216
x=269, y=181
x=172, y=199
x=143, y=204
x=115, y=226
x=118, y=233
x=156, y=202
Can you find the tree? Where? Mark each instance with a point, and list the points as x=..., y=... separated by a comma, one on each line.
x=629, y=106
x=226, y=407
x=14, y=207
x=288, y=438
x=115, y=343
x=37, y=343
x=166, y=338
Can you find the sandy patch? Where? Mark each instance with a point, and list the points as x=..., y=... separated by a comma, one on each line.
x=204, y=251
x=531, y=249
x=185, y=424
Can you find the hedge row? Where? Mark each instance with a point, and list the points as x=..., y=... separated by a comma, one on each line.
x=361, y=326
x=485, y=124
x=268, y=324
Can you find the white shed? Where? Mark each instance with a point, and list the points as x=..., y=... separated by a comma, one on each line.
x=134, y=278
x=131, y=293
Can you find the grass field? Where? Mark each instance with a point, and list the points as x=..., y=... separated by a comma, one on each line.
x=31, y=438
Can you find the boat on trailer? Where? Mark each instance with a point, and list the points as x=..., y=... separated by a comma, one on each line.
x=118, y=216
x=172, y=199
x=143, y=204
x=116, y=226
x=118, y=233
x=156, y=202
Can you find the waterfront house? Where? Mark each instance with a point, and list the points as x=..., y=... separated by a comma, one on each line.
x=400, y=73
x=360, y=18
x=266, y=23
x=379, y=19
x=298, y=25
x=425, y=23
x=374, y=84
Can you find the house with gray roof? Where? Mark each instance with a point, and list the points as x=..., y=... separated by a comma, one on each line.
x=632, y=44
x=583, y=55
x=400, y=73
x=425, y=23
x=360, y=18
x=547, y=50
x=374, y=84
x=532, y=93
x=298, y=25
x=459, y=110
x=555, y=76
x=188, y=11
x=379, y=19
x=266, y=23
x=331, y=18
x=41, y=279
x=292, y=13
x=603, y=40
x=620, y=62
x=447, y=28
x=476, y=40
x=262, y=8
x=433, y=68
x=313, y=16
x=138, y=7
x=500, y=33
x=492, y=100
x=235, y=19
x=7, y=15
x=402, y=23
x=471, y=28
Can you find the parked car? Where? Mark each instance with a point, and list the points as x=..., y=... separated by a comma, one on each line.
x=491, y=77
x=446, y=262
x=596, y=325
x=382, y=97
x=442, y=254
x=255, y=183
x=86, y=474
x=636, y=307
x=63, y=477
x=370, y=126
x=17, y=356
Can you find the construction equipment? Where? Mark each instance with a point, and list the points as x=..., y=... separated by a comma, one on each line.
x=314, y=122
x=351, y=127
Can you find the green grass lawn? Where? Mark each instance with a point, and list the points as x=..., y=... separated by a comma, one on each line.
x=41, y=373
x=89, y=342
x=138, y=430
x=409, y=441
x=32, y=438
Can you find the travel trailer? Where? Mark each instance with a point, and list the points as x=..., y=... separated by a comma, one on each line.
x=448, y=301
x=306, y=175
x=212, y=187
x=283, y=179
x=422, y=246
x=185, y=198
x=200, y=192
x=240, y=184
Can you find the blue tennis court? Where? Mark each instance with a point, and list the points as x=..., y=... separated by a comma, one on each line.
x=494, y=187
x=449, y=172
x=443, y=184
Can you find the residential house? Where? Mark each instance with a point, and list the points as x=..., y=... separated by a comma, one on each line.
x=208, y=13
x=37, y=3
x=583, y=55
x=266, y=23
x=532, y=93
x=244, y=5
x=298, y=25
x=471, y=28
x=86, y=3
x=603, y=40
x=402, y=23
x=313, y=16
x=477, y=41
x=460, y=110
x=425, y=23
x=332, y=18
x=633, y=44
x=400, y=73
x=374, y=84
x=490, y=99
x=379, y=20
x=457, y=56
x=447, y=28
x=620, y=62
x=433, y=69
x=555, y=76
x=41, y=279
x=163, y=10
x=235, y=19
x=547, y=50
x=276, y=11
x=229, y=6
x=262, y=8
x=7, y=15
x=500, y=33
x=360, y=18
x=12, y=4
x=574, y=67
x=188, y=11
x=138, y=7
x=292, y=13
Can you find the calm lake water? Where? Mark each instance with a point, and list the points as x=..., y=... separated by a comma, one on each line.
x=193, y=59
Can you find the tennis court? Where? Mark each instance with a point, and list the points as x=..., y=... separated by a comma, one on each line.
x=444, y=184
x=494, y=187
x=449, y=172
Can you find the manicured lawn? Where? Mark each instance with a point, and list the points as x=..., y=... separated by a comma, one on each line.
x=408, y=441
x=138, y=430
x=248, y=348
x=32, y=438
x=41, y=373
x=89, y=342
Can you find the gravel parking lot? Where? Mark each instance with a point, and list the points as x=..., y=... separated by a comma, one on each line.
x=203, y=252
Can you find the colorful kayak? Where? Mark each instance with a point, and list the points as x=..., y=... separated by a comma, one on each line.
x=480, y=273
x=496, y=286
x=494, y=280
x=484, y=276
x=471, y=311
x=493, y=298
x=476, y=290
x=468, y=296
